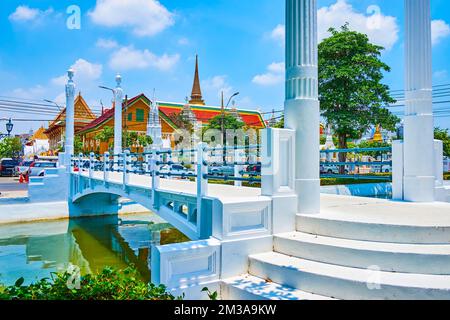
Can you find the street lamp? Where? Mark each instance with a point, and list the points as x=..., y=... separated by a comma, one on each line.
x=229, y=100
x=53, y=102
x=9, y=127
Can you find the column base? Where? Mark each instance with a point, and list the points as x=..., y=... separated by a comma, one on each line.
x=419, y=189
x=308, y=192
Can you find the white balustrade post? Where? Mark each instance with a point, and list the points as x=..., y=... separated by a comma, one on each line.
x=148, y=164
x=155, y=167
x=202, y=183
x=397, y=170
x=70, y=119
x=91, y=165
x=238, y=157
x=277, y=176
x=439, y=162
x=419, y=180
x=126, y=168
x=302, y=104
x=80, y=163
x=106, y=167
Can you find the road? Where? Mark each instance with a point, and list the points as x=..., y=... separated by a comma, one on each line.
x=10, y=187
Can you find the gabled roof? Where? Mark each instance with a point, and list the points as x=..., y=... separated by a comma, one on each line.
x=109, y=114
x=82, y=112
x=206, y=113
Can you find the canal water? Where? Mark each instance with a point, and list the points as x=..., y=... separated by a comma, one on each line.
x=36, y=250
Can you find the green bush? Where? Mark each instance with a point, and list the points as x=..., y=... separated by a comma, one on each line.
x=110, y=284
x=447, y=176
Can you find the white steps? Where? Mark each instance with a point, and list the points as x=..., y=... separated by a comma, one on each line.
x=345, y=282
x=394, y=257
x=361, y=228
x=247, y=287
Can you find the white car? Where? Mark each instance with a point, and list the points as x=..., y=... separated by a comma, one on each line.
x=37, y=168
x=332, y=169
x=174, y=169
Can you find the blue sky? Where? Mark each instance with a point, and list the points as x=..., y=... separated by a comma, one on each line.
x=153, y=45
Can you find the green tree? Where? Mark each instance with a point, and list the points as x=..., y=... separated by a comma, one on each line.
x=10, y=147
x=130, y=139
x=77, y=145
x=105, y=135
x=443, y=135
x=229, y=123
x=145, y=141
x=351, y=94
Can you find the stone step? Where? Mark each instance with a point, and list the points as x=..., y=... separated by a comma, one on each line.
x=374, y=229
x=345, y=282
x=247, y=287
x=391, y=257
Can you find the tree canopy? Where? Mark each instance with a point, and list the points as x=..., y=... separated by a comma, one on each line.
x=351, y=93
x=229, y=123
x=443, y=135
x=10, y=147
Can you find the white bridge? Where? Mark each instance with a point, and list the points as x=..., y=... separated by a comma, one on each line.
x=285, y=240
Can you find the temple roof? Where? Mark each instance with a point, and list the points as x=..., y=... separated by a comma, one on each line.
x=202, y=113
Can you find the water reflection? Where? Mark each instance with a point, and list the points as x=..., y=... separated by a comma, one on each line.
x=35, y=250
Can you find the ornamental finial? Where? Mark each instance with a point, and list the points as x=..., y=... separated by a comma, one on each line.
x=118, y=80
x=70, y=74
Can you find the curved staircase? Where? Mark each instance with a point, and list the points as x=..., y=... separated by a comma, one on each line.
x=355, y=253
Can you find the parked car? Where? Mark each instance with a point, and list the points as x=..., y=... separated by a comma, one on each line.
x=37, y=168
x=332, y=169
x=173, y=169
x=381, y=169
x=7, y=167
x=221, y=171
x=23, y=167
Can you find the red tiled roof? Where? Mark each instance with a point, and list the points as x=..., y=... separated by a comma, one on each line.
x=109, y=113
x=205, y=113
x=202, y=113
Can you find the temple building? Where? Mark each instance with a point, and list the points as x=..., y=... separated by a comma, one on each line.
x=139, y=116
x=37, y=144
x=57, y=128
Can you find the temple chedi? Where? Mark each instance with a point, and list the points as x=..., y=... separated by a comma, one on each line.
x=196, y=95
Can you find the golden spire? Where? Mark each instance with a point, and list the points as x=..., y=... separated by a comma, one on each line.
x=378, y=137
x=196, y=95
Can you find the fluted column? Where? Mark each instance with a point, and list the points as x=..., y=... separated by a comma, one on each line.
x=70, y=118
x=118, y=100
x=302, y=103
x=419, y=125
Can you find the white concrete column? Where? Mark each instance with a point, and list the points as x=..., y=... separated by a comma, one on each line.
x=70, y=119
x=118, y=98
x=302, y=104
x=419, y=180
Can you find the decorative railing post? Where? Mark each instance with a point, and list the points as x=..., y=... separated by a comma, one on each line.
x=105, y=167
x=155, y=174
x=126, y=168
x=238, y=167
x=91, y=165
x=277, y=176
x=202, y=182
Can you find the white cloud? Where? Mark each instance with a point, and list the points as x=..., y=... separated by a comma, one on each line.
x=273, y=76
x=85, y=72
x=279, y=34
x=129, y=58
x=36, y=92
x=145, y=17
x=25, y=14
x=216, y=85
x=381, y=29
x=439, y=30
x=106, y=43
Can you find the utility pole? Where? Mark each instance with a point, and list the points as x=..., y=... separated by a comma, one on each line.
x=125, y=121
